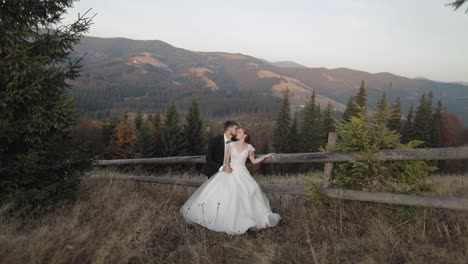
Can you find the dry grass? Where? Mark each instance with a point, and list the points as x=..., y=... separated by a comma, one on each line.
x=125, y=222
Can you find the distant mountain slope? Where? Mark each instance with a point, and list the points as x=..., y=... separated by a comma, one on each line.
x=287, y=64
x=157, y=69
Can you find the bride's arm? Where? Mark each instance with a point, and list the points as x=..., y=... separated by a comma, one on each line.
x=258, y=160
x=227, y=159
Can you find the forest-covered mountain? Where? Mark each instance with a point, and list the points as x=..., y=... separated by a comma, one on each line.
x=143, y=75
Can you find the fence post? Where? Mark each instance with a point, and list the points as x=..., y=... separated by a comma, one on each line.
x=328, y=167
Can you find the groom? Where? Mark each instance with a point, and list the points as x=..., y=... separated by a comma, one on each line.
x=217, y=147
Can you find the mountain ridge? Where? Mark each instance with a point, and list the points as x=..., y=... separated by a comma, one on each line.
x=114, y=62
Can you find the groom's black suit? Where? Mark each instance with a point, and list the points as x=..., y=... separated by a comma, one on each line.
x=214, y=155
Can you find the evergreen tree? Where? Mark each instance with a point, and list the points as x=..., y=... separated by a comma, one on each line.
x=122, y=141
x=456, y=4
x=395, y=116
x=156, y=119
x=328, y=120
x=281, y=141
x=194, y=140
x=138, y=120
x=39, y=162
x=171, y=134
x=355, y=103
x=294, y=135
x=350, y=109
x=382, y=114
x=361, y=97
x=156, y=150
x=422, y=125
x=358, y=134
x=407, y=126
x=145, y=140
x=311, y=127
x=436, y=126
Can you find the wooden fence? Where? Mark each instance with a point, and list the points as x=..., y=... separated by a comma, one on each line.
x=329, y=158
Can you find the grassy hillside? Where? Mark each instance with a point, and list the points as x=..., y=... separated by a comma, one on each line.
x=124, y=222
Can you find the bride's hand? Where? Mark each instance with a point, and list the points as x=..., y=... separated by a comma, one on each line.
x=227, y=169
x=269, y=155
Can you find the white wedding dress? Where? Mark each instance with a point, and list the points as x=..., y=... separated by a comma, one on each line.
x=231, y=202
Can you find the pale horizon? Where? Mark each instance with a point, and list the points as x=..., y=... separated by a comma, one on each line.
x=417, y=39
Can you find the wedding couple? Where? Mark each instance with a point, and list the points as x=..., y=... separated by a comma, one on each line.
x=230, y=201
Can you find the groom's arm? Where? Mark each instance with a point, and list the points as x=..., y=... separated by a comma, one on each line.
x=210, y=153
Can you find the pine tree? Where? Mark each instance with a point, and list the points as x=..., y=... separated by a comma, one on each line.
x=194, y=140
x=350, y=109
x=145, y=139
x=395, y=116
x=39, y=162
x=422, y=125
x=122, y=143
x=294, y=135
x=156, y=119
x=355, y=103
x=436, y=126
x=382, y=114
x=138, y=120
x=407, y=126
x=361, y=97
x=311, y=127
x=282, y=141
x=171, y=134
x=328, y=120
x=156, y=149
x=358, y=134
x=456, y=4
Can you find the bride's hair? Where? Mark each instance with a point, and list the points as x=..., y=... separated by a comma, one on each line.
x=247, y=134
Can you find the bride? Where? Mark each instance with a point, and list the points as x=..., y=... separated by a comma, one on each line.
x=231, y=201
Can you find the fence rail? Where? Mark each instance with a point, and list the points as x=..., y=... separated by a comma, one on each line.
x=276, y=188
x=329, y=158
x=314, y=157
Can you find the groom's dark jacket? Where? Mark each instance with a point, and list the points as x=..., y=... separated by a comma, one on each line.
x=214, y=155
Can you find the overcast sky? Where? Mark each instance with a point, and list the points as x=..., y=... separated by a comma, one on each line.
x=411, y=38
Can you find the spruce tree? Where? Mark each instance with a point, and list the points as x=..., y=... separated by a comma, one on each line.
x=407, y=126
x=361, y=97
x=382, y=113
x=144, y=140
x=355, y=103
x=422, y=125
x=395, y=116
x=350, y=109
x=311, y=128
x=436, y=126
x=156, y=119
x=294, y=135
x=39, y=162
x=138, y=120
x=156, y=149
x=456, y=4
x=194, y=139
x=369, y=137
x=328, y=120
x=281, y=139
x=171, y=133
x=123, y=141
